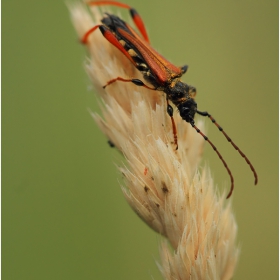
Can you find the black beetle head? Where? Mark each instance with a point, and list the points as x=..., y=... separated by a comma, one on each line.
x=187, y=110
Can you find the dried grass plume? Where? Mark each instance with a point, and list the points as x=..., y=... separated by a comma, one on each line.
x=162, y=185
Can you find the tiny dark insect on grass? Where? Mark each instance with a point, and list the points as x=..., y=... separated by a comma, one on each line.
x=157, y=71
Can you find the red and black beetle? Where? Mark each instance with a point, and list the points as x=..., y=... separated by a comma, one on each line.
x=157, y=71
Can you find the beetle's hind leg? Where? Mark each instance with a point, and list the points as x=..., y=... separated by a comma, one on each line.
x=134, y=14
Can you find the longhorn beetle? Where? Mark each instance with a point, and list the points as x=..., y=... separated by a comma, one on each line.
x=163, y=75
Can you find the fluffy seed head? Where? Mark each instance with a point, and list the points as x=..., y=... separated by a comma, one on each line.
x=162, y=185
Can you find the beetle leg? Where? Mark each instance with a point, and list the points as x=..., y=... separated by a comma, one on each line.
x=135, y=16
x=139, y=23
x=170, y=113
x=134, y=81
x=84, y=40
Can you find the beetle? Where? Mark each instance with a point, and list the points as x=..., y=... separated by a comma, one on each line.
x=157, y=71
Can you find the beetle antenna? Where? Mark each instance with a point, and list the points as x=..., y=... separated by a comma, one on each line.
x=206, y=114
x=220, y=156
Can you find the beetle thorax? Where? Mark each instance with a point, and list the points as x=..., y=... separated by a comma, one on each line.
x=177, y=92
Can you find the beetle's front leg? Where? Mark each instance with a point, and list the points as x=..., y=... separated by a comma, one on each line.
x=174, y=129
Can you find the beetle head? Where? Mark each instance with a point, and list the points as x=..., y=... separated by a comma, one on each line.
x=187, y=110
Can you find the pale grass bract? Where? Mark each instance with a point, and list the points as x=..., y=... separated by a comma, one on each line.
x=163, y=186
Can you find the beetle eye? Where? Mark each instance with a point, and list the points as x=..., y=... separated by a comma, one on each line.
x=184, y=112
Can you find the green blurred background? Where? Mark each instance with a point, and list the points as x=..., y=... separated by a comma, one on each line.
x=63, y=213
